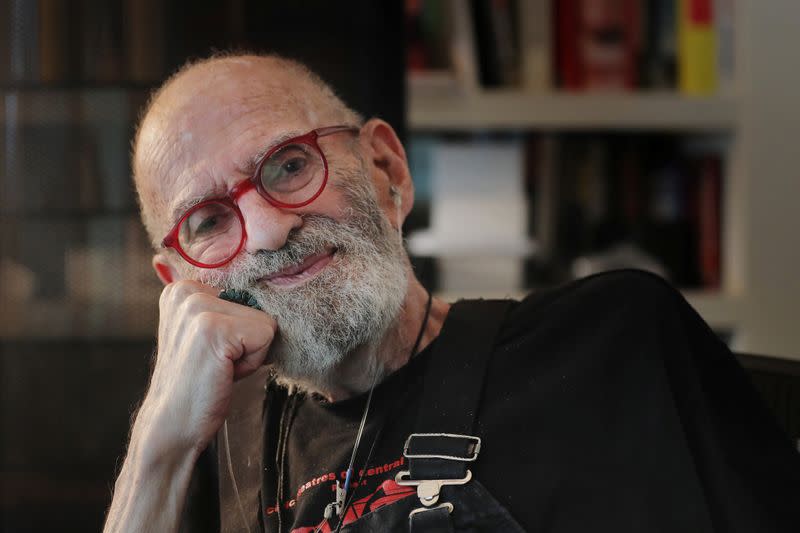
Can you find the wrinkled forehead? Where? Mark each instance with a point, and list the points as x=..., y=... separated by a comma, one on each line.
x=208, y=126
x=225, y=94
x=201, y=113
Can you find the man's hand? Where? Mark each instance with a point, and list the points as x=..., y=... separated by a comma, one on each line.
x=204, y=345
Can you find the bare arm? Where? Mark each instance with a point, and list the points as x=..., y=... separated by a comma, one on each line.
x=150, y=493
x=204, y=345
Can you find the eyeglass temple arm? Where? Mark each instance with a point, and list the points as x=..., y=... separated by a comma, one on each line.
x=330, y=130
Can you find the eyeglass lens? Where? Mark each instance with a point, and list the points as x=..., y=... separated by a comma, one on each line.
x=293, y=173
x=212, y=232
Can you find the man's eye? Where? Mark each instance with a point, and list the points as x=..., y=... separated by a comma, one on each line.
x=208, y=222
x=288, y=170
x=294, y=165
x=206, y=225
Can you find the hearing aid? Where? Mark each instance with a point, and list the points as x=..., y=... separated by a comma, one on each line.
x=398, y=203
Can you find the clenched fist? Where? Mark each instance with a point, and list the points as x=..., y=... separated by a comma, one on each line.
x=204, y=345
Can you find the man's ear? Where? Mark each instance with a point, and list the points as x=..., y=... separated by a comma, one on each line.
x=389, y=167
x=164, y=269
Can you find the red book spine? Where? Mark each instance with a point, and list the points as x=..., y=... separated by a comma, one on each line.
x=634, y=41
x=570, y=70
x=710, y=220
x=609, y=42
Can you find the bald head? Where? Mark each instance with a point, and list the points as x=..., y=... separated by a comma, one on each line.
x=212, y=111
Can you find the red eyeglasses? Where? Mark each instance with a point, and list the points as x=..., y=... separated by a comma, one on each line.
x=291, y=175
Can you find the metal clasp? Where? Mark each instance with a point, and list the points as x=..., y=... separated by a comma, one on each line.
x=428, y=489
x=473, y=456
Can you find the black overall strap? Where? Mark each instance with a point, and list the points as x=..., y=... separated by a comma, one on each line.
x=444, y=443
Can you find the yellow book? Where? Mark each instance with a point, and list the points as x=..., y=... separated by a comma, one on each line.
x=697, y=48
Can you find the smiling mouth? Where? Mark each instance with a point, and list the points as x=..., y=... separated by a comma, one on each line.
x=296, y=274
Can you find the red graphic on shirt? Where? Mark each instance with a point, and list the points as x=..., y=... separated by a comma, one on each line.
x=388, y=492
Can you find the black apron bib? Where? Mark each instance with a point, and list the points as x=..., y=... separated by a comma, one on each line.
x=439, y=452
x=444, y=444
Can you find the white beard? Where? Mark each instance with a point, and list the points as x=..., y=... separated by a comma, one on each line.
x=349, y=305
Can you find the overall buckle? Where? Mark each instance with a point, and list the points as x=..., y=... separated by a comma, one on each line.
x=428, y=489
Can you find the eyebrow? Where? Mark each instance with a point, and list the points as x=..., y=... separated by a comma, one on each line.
x=185, y=205
x=248, y=169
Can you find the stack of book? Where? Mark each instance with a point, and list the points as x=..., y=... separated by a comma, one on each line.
x=568, y=205
x=64, y=42
x=574, y=45
x=612, y=201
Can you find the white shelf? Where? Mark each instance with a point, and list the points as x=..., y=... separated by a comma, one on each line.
x=515, y=109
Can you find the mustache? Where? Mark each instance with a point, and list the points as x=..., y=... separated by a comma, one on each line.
x=317, y=234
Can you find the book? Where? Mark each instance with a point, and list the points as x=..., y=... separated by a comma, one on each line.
x=697, y=52
x=427, y=35
x=144, y=40
x=543, y=188
x=23, y=39
x=494, y=28
x=609, y=43
x=54, y=40
x=568, y=66
x=660, y=44
x=535, y=39
x=598, y=43
x=101, y=41
x=709, y=219
x=463, y=56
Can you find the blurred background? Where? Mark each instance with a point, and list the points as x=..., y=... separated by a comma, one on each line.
x=548, y=140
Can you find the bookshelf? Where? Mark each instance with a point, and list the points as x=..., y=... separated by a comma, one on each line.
x=73, y=246
x=753, y=118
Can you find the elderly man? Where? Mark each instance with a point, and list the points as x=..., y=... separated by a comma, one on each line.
x=341, y=395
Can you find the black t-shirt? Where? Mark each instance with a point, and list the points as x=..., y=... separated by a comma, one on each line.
x=608, y=406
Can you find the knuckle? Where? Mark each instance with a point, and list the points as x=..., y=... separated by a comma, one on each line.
x=172, y=293
x=166, y=295
x=183, y=289
x=206, y=320
x=195, y=303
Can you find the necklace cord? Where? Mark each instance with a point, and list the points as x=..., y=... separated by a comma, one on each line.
x=233, y=477
x=360, y=433
x=422, y=327
x=283, y=439
x=349, y=498
x=352, y=496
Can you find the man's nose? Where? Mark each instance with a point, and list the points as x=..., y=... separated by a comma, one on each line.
x=267, y=226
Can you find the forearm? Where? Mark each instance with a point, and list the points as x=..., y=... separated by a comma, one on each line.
x=204, y=343
x=150, y=492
